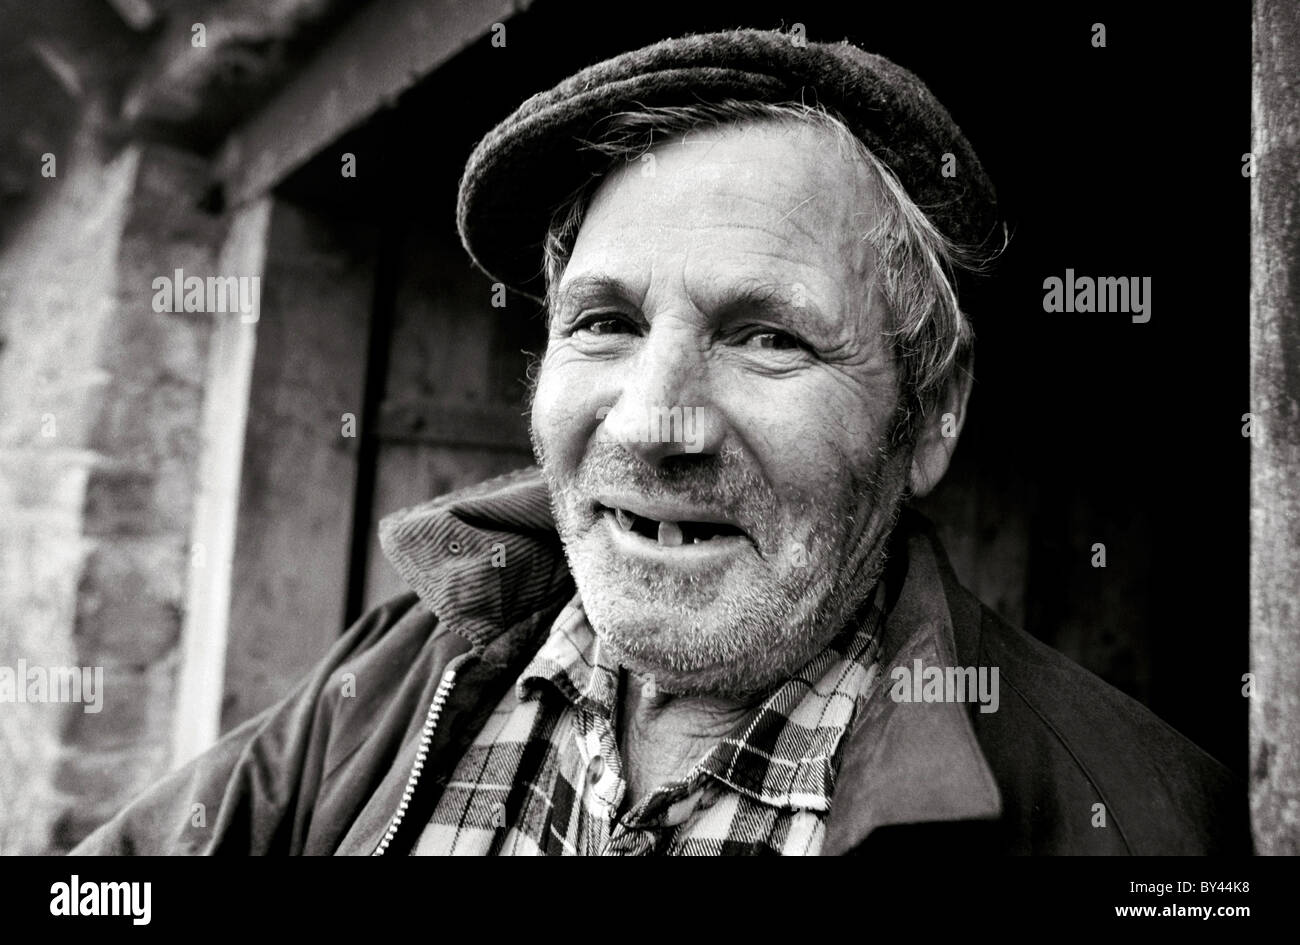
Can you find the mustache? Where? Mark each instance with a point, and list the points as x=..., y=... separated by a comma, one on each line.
x=724, y=481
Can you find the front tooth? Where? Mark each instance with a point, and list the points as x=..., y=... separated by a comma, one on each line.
x=624, y=519
x=670, y=533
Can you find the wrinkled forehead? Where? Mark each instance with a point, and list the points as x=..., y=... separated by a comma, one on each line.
x=780, y=201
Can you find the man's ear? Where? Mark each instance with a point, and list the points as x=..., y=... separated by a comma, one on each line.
x=937, y=437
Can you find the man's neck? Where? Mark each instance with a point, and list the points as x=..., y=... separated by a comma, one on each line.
x=663, y=736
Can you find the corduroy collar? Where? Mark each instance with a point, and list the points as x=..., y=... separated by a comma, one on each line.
x=487, y=558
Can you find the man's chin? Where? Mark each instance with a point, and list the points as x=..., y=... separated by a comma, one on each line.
x=693, y=637
x=671, y=660
x=689, y=661
x=639, y=614
x=658, y=621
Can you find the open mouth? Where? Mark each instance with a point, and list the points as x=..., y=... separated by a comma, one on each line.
x=670, y=534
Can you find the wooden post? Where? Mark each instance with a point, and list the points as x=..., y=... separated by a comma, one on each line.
x=216, y=508
x=1275, y=446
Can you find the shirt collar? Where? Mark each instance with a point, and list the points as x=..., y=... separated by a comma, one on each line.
x=785, y=753
x=574, y=662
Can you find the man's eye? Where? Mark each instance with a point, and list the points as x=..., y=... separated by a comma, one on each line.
x=602, y=325
x=776, y=340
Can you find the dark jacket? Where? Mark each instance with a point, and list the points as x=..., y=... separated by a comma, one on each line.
x=353, y=760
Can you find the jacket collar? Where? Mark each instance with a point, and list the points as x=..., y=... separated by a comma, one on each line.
x=487, y=559
x=913, y=762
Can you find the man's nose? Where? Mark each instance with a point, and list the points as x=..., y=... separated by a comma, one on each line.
x=665, y=406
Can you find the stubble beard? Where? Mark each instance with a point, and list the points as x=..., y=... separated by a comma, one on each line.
x=739, y=633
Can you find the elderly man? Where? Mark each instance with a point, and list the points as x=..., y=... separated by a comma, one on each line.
x=708, y=624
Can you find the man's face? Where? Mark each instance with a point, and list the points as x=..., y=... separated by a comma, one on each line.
x=712, y=410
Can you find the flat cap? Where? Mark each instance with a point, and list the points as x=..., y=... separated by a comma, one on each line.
x=526, y=166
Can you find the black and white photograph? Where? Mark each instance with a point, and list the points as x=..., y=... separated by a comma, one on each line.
x=546, y=427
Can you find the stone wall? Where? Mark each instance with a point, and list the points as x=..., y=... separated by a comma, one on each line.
x=99, y=401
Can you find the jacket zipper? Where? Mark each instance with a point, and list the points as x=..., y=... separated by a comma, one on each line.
x=422, y=753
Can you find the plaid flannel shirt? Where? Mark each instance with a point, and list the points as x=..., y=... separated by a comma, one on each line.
x=544, y=775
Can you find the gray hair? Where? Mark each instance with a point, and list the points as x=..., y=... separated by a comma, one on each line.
x=929, y=335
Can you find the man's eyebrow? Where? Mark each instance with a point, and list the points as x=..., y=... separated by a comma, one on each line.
x=585, y=289
x=768, y=298
x=751, y=297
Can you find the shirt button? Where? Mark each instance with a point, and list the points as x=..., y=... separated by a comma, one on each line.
x=597, y=769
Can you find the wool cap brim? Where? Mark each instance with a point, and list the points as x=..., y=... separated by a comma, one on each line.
x=530, y=163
